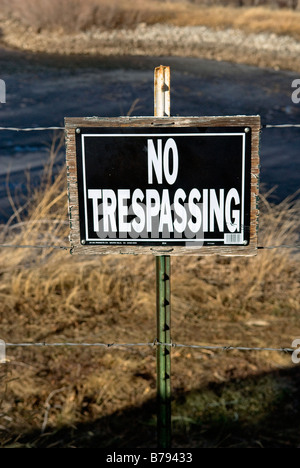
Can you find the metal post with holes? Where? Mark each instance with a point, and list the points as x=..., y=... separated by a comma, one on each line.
x=163, y=291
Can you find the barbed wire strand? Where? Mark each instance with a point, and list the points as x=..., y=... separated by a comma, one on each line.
x=155, y=342
x=39, y=129
x=30, y=129
x=64, y=247
x=281, y=126
x=270, y=247
x=152, y=344
x=57, y=247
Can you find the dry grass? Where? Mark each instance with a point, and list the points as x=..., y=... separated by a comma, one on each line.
x=80, y=15
x=48, y=295
x=54, y=282
x=251, y=20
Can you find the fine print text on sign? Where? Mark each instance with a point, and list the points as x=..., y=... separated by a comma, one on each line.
x=179, y=186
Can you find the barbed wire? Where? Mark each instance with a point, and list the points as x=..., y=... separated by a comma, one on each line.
x=281, y=126
x=39, y=129
x=152, y=344
x=64, y=247
x=271, y=247
x=54, y=247
x=30, y=129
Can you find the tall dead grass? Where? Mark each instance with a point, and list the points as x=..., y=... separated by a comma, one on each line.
x=71, y=16
x=54, y=285
x=251, y=20
x=81, y=15
x=49, y=295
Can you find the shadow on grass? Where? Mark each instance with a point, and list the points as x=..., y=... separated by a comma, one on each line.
x=261, y=411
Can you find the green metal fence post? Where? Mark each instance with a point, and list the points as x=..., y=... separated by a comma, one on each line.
x=163, y=351
x=163, y=291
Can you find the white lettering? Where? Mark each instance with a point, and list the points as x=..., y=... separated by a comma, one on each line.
x=205, y=210
x=155, y=161
x=95, y=195
x=159, y=164
x=232, y=223
x=109, y=210
x=195, y=211
x=180, y=211
x=141, y=212
x=216, y=209
x=170, y=145
x=165, y=215
x=138, y=211
x=152, y=209
x=123, y=195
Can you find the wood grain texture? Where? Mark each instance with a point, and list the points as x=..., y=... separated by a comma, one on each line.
x=222, y=121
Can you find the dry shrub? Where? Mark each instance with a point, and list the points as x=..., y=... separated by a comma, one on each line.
x=259, y=20
x=81, y=15
x=73, y=16
x=253, y=20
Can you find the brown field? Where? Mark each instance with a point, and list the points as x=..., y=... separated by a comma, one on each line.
x=82, y=397
x=81, y=15
x=209, y=30
x=105, y=397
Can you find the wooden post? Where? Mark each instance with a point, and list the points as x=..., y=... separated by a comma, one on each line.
x=163, y=291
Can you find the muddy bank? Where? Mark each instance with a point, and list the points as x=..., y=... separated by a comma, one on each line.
x=234, y=45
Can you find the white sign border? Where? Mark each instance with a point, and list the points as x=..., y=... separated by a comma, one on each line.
x=167, y=241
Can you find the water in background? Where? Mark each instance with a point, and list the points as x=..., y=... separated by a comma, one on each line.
x=42, y=91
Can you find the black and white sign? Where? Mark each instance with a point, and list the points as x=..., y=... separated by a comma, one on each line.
x=168, y=186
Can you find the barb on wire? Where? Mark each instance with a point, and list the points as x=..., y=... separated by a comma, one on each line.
x=30, y=129
x=270, y=247
x=146, y=344
x=281, y=126
x=64, y=247
x=76, y=345
x=229, y=348
x=39, y=129
x=12, y=246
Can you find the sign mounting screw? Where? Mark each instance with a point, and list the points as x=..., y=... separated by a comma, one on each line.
x=247, y=130
x=83, y=242
x=77, y=130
